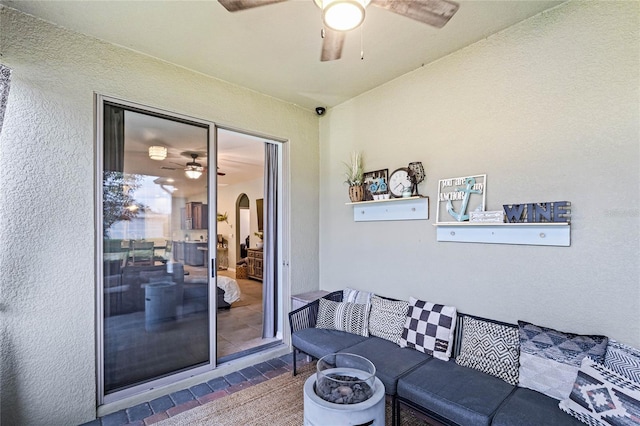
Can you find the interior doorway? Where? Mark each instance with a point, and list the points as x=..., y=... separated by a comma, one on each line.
x=243, y=216
x=240, y=328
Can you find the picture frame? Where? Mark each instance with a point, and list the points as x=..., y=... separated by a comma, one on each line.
x=370, y=177
x=459, y=196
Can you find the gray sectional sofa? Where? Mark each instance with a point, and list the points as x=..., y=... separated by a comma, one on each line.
x=443, y=391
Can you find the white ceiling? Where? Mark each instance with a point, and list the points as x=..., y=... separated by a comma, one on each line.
x=275, y=49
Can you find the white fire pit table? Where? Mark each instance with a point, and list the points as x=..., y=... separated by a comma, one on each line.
x=344, y=391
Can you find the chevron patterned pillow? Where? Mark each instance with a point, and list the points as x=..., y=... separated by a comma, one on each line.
x=350, y=317
x=491, y=348
x=623, y=359
x=387, y=317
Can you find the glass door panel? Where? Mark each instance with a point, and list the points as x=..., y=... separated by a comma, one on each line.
x=155, y=213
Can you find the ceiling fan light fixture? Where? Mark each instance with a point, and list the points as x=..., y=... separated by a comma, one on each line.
x=193, y=171
x=342, y=15
x=157, y=153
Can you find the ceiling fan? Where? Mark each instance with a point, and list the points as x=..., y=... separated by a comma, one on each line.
x=192, y=169
x=340, y=16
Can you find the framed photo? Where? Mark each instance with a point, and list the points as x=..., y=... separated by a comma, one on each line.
x=376, y=177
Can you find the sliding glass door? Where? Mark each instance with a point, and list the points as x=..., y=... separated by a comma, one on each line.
x=155, y=295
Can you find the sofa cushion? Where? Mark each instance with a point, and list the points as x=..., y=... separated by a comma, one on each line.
x=319, y=342
x=391, y=361
x=550, y=359
x=429, y=328
x=356, y=296
x=459, y=394
x=601, y=396
x=343, y=316
x=491, y=348
x=387, y=318
x=623, y=359
x=526, y=407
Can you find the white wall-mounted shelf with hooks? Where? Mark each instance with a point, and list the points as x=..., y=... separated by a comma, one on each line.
x=538, y=234
x=410, y=208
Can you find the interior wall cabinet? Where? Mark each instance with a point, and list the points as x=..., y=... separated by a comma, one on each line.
x=254, y=264
x=195, y=215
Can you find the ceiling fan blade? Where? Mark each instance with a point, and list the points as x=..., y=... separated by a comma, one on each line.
x=432, y=12
x=236, y=5
x=332, y=43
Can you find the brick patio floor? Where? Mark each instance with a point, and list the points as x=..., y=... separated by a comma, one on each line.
x=177, y=402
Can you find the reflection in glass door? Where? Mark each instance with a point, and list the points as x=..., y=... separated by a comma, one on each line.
x=155, y=249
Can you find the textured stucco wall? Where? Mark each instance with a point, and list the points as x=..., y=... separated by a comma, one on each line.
x=47, y=209
x=549, y=110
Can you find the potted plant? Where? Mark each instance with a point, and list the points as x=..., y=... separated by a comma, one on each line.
x=260, y=235
x=354, y=177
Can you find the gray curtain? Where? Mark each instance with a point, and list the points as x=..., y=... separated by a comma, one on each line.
x=113, y=138
x=5, y=83
x=270, y=253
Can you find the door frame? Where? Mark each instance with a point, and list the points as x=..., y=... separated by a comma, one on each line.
x=99, y=101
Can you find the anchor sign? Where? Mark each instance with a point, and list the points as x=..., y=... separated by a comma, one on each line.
x=468, y=190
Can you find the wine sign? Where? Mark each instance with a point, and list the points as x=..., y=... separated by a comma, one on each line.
x=556, y=211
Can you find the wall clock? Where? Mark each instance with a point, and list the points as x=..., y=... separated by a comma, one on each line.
x=399, y=182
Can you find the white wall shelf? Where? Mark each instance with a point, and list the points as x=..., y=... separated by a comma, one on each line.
x=538, y=234
x=410, y=208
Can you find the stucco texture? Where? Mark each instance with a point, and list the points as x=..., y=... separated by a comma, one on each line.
x=47, y=181
x=549, y=110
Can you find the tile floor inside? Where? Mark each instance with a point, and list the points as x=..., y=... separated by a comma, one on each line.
x=177, y=402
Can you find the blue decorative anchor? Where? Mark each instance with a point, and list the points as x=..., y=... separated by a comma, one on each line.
x=460, y=217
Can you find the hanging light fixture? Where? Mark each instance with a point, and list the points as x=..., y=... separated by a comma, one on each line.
x=193, y=170
x=342, y=15
x=157, y=153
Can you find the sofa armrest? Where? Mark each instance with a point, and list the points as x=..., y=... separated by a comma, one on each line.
x=305, y=317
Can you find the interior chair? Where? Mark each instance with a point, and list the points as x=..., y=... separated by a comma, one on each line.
x=142, y=253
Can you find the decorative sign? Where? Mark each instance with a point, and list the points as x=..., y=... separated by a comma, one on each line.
x=487, y=217
x=556, y=211
x=458, y=196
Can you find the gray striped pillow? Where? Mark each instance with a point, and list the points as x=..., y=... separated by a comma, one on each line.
x=356, y=296
x=350, y=317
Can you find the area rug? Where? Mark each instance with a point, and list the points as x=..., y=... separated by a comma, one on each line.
x=276, y=402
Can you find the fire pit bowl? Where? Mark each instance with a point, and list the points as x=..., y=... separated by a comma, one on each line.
x=345, y=378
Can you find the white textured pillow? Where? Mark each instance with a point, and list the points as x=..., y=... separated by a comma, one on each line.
x=387, y=318
x=550, y=359
x=343, y=316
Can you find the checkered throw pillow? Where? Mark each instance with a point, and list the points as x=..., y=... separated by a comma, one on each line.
x=429, y=328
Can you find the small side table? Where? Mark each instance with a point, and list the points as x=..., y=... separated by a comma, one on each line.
x=299, y=300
